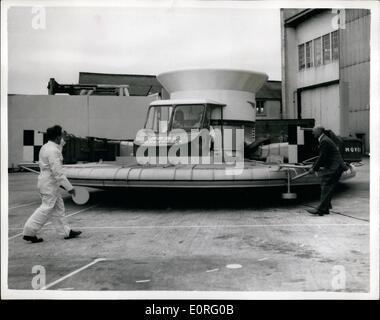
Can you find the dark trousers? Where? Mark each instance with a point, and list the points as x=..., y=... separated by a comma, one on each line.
x=328, y=184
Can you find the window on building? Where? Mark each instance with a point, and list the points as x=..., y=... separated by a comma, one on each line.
x=301, y=56
x=260, y=108
x=335, y=45
x=317, y=52
x=326, y=45
x=309, y=54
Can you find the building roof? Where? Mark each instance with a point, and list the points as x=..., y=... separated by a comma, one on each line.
x=293, y=17
x=271, y=90
x=138, y=85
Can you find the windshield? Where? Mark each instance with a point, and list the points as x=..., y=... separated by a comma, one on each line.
x=188, y=116
x=158, y=118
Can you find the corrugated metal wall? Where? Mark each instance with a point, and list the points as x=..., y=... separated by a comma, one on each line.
x=355, y=71
x=322, y=104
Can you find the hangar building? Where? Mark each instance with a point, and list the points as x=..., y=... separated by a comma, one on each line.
x=326, y=68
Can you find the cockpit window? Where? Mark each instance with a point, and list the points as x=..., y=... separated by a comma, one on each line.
x=188, y=117
x=159, y=118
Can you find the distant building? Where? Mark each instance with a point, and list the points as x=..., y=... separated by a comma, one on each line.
x=268, y=98
x=326, y=68
x=268, y=101
x=104, y=84
x=111, y=106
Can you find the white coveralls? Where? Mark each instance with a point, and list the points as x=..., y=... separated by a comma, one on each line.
x=50, y=179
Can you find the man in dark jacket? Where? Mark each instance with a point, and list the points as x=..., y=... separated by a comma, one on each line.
x=333, y=166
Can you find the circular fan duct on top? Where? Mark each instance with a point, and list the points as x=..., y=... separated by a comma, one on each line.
x=234, y=88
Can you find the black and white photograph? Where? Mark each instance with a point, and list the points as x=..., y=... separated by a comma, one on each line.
x=190, y=150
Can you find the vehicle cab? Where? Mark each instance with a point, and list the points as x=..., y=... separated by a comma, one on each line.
x=183, y=121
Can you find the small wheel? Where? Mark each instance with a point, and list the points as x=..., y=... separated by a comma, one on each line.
x=81, y=195
x=289, y=196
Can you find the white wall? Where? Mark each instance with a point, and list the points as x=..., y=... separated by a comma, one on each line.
x=308, y=30
x=289, y=72
x=117, y=117
x=323, y=73
x=99, y=116
x=294, y=78
x=354, y=64
x=315, y=27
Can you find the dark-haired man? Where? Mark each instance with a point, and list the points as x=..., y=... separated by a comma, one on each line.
x=333, y=166
x=49, y=181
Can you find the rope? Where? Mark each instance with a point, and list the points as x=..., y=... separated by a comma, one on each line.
x=339, y=213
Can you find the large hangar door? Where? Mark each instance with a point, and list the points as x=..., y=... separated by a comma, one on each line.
x=322, y=104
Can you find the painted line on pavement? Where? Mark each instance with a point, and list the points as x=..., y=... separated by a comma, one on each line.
x=227, y=226
x=69, y=215
x=85, y=209
x=24, y=205
x=72, y=273
x=74, y=213
x=16, y=235
x=231, y=226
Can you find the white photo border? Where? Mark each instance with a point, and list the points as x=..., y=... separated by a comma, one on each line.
x=373, y=293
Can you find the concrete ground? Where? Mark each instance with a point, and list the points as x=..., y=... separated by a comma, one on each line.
x=204, y=240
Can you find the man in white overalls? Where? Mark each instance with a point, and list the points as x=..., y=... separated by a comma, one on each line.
x=49, y=181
